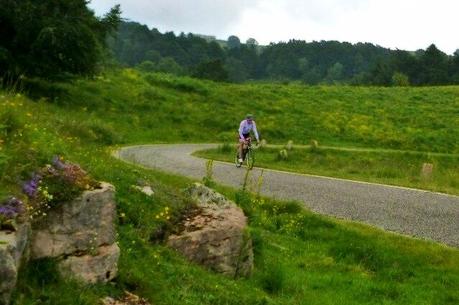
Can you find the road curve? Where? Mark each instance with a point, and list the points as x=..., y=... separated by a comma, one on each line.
x=407, y=211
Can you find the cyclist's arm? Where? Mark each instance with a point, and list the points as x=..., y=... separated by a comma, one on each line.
x=241, y=128
x=255, y=131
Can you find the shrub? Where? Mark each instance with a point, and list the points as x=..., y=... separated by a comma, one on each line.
x=400, y=79
x=147, y=66
x=56, y=183
x=37, y=88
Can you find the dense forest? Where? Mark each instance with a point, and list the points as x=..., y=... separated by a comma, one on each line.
x=311, y=62
x=56, y=40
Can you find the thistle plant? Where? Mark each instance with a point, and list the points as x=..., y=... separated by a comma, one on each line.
x=282, y=155
x=208, y=180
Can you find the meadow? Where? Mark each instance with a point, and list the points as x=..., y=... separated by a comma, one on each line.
x=301, y=257
x=400, y=168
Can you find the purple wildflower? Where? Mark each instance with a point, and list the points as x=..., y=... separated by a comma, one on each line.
x=11, y=208
x=58, y=163
x=30, y=188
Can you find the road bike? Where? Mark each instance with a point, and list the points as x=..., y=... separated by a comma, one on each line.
x=248, y=155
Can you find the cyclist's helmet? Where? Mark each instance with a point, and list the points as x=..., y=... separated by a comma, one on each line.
x=249, y=116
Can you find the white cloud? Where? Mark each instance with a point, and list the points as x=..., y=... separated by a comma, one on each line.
x=403, y=24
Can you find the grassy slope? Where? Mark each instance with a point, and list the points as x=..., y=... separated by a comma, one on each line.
x=162, y=108
x=387, y=167
x=300, y=258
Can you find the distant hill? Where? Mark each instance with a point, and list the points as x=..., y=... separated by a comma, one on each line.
x=310, y=62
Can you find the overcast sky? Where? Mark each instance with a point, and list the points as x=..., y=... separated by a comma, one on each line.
x=402, y=24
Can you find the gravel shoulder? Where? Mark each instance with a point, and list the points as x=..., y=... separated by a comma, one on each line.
x=418, y=213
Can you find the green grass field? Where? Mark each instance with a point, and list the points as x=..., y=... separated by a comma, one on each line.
x=301, y=258
x=387, y=167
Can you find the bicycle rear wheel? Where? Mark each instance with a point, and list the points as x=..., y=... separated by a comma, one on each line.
x=250, y=159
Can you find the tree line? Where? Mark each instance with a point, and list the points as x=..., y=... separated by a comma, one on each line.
x=50, y=39
x=310, y=62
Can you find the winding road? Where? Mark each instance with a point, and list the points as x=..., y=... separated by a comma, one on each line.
x=418, y=213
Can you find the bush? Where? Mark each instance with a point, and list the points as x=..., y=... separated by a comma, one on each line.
x=400, y=79
x=55, y=184
x=39, y=88
x=147, y=66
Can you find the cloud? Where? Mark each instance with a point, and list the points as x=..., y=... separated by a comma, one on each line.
x=199, y=16
x=407, y=24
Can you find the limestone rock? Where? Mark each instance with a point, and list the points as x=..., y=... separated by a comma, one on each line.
x=84, y=223
x=147, y=190
x=216, y=236
x=128, y=299
x=101, y=267
x=12, y=249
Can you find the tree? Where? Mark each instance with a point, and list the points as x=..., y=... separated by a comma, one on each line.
x=50, y=38
x=401, y=80
x=233, y=42
x=147, y=66
x=434, y=65
x=169, y=65
x=237, y=71
x=312, y=76
x=335, y=72
x=454, y=67
x=153, y=56
x=213, y=70
x=251, y=42
x=381, y=74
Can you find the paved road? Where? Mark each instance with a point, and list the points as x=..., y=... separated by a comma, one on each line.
x=413, y=212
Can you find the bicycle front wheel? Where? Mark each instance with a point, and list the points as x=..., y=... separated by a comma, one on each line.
x=250, y=159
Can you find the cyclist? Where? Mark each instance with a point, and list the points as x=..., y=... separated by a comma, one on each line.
x=245, y=128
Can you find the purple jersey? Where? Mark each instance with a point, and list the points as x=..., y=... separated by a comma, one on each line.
x=246, y=127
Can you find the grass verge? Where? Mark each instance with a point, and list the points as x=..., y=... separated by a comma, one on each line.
x=386, y=167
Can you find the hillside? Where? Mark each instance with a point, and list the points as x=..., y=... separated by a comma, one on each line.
x=164, y=108
x=300, y=257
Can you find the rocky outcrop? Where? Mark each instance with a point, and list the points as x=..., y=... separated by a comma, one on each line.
x=216, y=235
x=100, y=267
x=13, y=245
x=81, y=234
x=127, y=299
x=77, y=226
